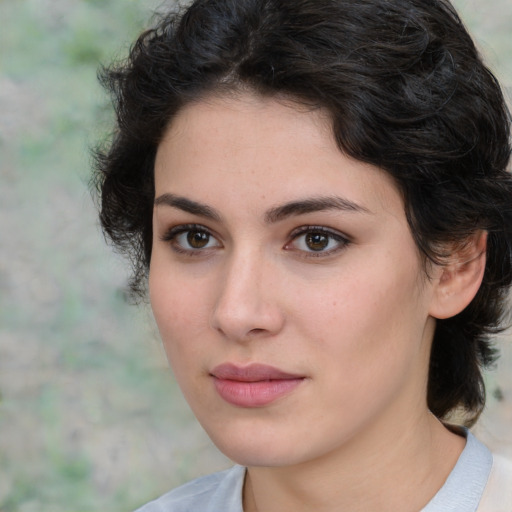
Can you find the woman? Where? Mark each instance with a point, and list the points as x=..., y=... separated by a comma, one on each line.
x=316, y=193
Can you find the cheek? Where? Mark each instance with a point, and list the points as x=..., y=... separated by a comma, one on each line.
x=370, y=318
x=370, y=349
x=177, y=311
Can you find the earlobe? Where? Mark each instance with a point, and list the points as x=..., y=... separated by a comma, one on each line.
x=460, y=278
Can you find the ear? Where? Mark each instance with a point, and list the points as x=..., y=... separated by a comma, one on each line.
x=460, y=278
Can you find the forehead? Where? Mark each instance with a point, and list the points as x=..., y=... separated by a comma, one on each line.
x=248, y=120
x=266, y=148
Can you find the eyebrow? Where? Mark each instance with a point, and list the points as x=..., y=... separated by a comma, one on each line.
x=187, y=205
x=273, y=215
x=315, y=204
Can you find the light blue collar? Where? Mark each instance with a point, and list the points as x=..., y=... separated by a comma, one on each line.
x=464, y=487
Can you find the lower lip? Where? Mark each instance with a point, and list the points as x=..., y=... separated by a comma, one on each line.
x=254, y=394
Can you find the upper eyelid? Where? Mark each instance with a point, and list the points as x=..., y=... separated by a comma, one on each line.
x=182, y=228
x=322, y=229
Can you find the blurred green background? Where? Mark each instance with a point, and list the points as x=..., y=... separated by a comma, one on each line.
x=90, y=417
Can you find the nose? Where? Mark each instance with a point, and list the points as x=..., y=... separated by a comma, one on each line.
x=247, y=305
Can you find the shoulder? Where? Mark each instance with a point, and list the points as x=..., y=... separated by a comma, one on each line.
x=497, y=496
x=211, y=493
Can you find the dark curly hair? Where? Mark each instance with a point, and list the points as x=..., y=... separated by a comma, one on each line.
x=407, y=92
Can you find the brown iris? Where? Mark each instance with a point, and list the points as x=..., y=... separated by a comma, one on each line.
x=198, y=239
x=317, y=241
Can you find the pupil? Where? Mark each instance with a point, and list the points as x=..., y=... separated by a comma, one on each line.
x=317, y=241
x=198, y=239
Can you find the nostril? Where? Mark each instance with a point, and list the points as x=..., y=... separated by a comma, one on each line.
x=256, y=331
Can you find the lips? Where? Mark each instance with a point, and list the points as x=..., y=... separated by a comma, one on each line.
x=255, y=385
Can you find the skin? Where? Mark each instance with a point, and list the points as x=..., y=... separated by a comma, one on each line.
x=355, y=319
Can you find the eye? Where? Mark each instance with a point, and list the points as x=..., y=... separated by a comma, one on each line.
x=190, y=239
x=319, y=240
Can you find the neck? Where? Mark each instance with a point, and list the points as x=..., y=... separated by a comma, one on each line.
x=399, y=470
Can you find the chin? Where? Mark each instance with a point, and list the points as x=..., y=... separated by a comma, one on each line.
x=253, y=445
x=259, y=455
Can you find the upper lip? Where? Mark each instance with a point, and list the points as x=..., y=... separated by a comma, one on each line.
x=254, y=372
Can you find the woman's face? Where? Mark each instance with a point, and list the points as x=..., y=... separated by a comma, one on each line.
x=285, y=283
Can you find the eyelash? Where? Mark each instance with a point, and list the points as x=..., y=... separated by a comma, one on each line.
x=341, y=241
